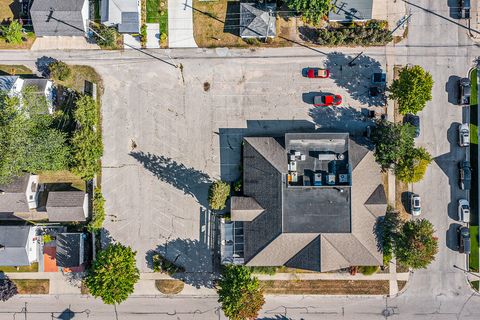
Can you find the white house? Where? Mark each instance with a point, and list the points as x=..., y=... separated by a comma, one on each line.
x=18, y=245
x=14, y=85
x=123, y=14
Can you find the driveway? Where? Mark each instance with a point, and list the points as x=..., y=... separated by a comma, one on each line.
x=167, y=138
x=180, y=24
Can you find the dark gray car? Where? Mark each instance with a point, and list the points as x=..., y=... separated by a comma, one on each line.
x=463, y=240
x=464, y=91
x=465, y=171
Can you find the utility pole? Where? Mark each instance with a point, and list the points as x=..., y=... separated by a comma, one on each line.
x=268, y=24
x=405, y=19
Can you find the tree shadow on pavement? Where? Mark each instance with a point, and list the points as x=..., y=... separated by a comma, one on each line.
x=191, y=181
x=8, y=288
x=342, y=119
x=276, y=317
x=356, y=79
x=193, y=255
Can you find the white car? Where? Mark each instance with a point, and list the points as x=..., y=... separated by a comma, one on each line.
x=463, y=210
x=415, y=205
x=464, y=135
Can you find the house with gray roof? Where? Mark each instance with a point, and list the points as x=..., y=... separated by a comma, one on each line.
x=257, y=20
x=351, y=10
x=70, y=249
x=310, y=201
x=67, y=206
x=19, y=195
x=123, y=14
x=18, y=245
x=60, y=17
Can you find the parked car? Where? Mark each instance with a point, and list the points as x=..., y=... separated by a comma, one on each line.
x=464, y=8
x=316, y=73
x=464, y=91
x=463, y=240
x=327, y=100
x=414, y=121
x=415, y=205
x=463, y=210
x=465, y=175
x=464, y=135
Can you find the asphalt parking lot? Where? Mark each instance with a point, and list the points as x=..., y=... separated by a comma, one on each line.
x=168, y=134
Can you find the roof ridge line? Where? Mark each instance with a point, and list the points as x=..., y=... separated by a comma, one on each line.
x=346, y=259
x=369, y=252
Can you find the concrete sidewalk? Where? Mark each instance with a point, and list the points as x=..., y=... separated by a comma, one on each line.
x=334, y=276
x=180, y=24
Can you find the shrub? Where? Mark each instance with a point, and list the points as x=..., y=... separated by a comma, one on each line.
x=312, y=10
x=218, y=195
x=98, y=211
x=368, y=270
x=59, y=70
x=106, y=37
x=264, y=270
x=12, y=33
x=237, y=186
x=163, y=37
x=47, y=238
x=161, y=264
x=356, y=35
x=143, y=35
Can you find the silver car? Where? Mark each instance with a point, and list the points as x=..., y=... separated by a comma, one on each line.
x=464, y=210
x=464, y=135
x=416, y=205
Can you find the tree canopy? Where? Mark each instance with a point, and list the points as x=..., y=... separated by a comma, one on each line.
x=413, y=165
x=312, y=10
x=98, y=214
x=12, y=33
x=113, y=274
x=412, y=89
x=28, y=140
x=240, y=293
x=415, y=244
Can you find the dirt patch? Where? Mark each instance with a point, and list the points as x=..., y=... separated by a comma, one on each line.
x=169, y=286
x=402, y=198
x=401, y=284
x=32, y=286
x=327, y=287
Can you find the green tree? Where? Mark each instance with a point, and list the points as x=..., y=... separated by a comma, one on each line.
x=218, y=195
x=412, y=89
x=240, y=294
x=313, y=10
x=59, y=70
x=415, y=244
x=106, y=37
x=87, y=149
x=113, y=274
x=12, y=33
x=86, y=111
x=98, y=210
x=389, y=225
x=392, y=141
x=413, y=165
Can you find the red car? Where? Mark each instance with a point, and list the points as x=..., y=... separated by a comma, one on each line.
x=317, y=73
x=327, y=100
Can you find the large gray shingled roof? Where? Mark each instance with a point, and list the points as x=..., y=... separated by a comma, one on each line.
x=66, y=206
x=257, y=20
x=58, y=17
x=12, y=195
x=13, y=243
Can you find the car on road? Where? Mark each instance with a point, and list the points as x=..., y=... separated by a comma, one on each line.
x=415, y=205
x=464, y=91
x=327, y=100
x=316, y=73
x=464, y=9
x=465, y=170
x=464, y=210
x=414, y=121
x=464, y=135
x=463, y=239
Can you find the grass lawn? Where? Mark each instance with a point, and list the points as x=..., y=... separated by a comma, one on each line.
x=79, y=75
x=475, y=285
x=14, y=69
x=473, y=258
x=31, y=268
x=327, y=287
x=153, y=13
x=63, y=177
x=211, y=28
x=6, y=7
x=32, y=286
x=29, y=38
x=169, y=286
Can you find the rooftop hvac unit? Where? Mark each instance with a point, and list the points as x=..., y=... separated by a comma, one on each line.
x=343, y=178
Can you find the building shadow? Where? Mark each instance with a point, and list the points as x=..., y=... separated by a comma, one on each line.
x=451, y=87
x=346, y=119
x=190, y=181
x=192, y=255
x=405, y=199
x=452, y=236
x=355, y=76
x=66, y=314
x=448, y=163
x=8, y=288
x=231, y=140
x=232, y=18
x=308, y=33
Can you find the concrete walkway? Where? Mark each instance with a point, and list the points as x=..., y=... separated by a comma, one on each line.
x=153, y=35
x=180, y=24
x=335, y=276
x=63, y=43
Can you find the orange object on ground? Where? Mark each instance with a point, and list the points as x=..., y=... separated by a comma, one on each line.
x=49, y=259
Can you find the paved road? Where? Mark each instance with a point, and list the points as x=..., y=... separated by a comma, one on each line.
x=441, y=292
